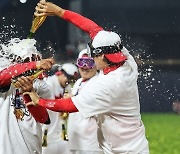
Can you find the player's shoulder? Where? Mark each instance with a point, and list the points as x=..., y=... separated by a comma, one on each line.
x=41, y=87
x=78, y=81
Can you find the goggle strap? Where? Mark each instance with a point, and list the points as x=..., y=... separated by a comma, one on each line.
x=105, y=49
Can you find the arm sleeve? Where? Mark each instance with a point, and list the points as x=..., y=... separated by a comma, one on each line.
x=83, y=23
x=14, y=70
x=59, y=105
x=39, y=113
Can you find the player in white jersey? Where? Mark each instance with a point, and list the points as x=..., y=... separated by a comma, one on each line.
x=56, y=144
x=20, y=131
x=82, y=133
x=113, y=99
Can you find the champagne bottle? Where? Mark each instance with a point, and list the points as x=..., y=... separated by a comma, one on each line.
x=64, y=133
x=44, y=141
x=32, y=73
x=37, y=73
x=64, y=115
x=36, y=23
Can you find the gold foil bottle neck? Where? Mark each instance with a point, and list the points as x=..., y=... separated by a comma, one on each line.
x=37, y=22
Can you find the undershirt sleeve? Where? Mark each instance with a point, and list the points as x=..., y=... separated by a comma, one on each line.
x=39, y=113
x=59, y=105
x=14, y=70
x=83, y=23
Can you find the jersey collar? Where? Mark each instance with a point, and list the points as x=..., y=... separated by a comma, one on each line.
x=111, y=68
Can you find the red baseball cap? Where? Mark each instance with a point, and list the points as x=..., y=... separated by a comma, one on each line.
x=116, y=57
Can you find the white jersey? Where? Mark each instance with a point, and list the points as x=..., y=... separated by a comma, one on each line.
x=82, y=133
x=114, y=100
x=54, y=140
x=20, y=136
x=56, y=89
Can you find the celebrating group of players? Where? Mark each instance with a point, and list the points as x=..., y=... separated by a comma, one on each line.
x=103, y=105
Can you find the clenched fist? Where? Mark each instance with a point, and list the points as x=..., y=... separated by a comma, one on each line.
x=25, y=83
x=44, y=8
x=45, y=64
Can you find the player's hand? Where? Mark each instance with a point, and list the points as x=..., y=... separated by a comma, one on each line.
x=45, y=64
x=44, y=8
x=34, y=97
x=66, y=95
x=25, y=83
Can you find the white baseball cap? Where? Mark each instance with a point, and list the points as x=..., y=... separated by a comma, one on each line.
x=108, y=38
x=83, y=53
x=70, y=68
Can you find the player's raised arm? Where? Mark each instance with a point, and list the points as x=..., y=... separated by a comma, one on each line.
x=85, y=24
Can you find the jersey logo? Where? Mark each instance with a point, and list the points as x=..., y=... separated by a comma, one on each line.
x=20, y=109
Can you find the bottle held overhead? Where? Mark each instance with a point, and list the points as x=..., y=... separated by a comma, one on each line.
x=36, y=23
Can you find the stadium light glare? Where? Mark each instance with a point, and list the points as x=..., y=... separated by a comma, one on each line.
x=23, y=1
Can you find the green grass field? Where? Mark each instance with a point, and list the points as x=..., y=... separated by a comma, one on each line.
x=162, y=132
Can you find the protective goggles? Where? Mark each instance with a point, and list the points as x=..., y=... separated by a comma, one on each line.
x=93, y=52
x=85, y=62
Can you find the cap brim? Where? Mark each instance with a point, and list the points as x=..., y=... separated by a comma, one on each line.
x=116, y=57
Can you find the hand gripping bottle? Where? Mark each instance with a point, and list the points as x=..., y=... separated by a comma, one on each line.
x=32, y=73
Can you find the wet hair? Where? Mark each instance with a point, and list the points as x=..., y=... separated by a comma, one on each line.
x=111, y=63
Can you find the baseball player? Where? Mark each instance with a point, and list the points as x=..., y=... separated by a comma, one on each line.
x=20, y=128
x=112, y=99
x=82, y=133
x=57, y=83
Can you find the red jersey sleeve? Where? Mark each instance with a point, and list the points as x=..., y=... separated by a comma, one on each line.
x=59, y=105
x=14, y=70
x=39, y=113
x=83, y=23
